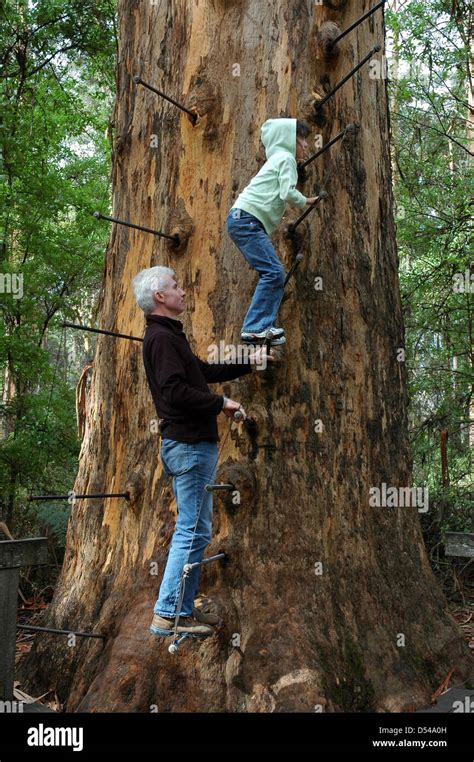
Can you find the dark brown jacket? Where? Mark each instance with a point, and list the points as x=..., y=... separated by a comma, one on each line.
x=178, y=382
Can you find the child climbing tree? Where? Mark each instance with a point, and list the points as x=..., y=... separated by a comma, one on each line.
x=327, y=596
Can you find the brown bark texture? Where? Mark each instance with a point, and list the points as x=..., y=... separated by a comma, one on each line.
x=327, y=601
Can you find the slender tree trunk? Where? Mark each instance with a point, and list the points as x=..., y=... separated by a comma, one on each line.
x=470, y=134
x=393, y=102
x=327, y=601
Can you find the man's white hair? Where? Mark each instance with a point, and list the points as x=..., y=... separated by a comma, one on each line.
x=146, y=283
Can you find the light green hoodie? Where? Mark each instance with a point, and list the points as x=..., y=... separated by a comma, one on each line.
x=273, y=186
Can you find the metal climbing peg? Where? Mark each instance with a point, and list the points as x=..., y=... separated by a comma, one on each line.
x=320, y=197
x=187, y=568
x=298, y=259
x=268, y=342
x=350, y=128
x=65, y=324
x=319, y=104
x=174, y=238
x=173, y=647
x=353, y=26
x=219, y=487
x=73, y=496
x=139, y=81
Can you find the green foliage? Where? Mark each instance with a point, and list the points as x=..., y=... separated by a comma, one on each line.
x=56, y=88
x=433, y=165
x=54, y=516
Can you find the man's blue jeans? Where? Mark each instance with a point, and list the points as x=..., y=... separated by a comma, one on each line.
x=191, y=466
x=248, y=234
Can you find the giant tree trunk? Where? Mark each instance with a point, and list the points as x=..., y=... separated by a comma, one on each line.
x=327, y=600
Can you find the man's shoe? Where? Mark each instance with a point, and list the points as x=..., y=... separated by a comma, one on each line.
x=165, y=627
x=206, y=617
x=202, y=611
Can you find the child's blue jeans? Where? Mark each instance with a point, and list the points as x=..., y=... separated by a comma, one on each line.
x=248, y=234
x=191, y=466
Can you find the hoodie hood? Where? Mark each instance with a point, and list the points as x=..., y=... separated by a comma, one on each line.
x=279, y=135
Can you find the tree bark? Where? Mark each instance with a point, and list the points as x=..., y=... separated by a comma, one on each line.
x=319, y=587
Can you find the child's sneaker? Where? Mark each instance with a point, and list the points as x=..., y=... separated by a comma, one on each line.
x=250, y=339
x=275, y=332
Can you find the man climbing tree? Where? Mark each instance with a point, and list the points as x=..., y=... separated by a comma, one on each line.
x=187, y=409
